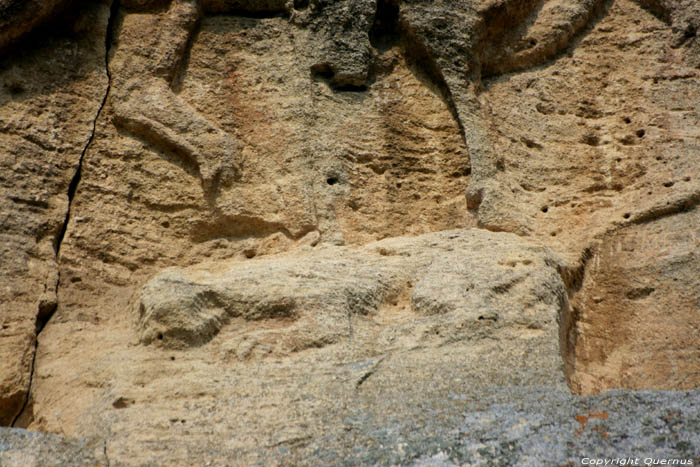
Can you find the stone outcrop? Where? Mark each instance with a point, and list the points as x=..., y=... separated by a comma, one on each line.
x=635, y=319
x=333, y=231
x=457, y=284
x=52, y=87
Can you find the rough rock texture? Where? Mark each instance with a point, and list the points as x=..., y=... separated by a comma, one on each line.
x=457, y=282
x=20, y=448
x=333, y=231
x=558, y=429
x=637, y=311
x=511, y=426
x=290, y=346
x=51, y=90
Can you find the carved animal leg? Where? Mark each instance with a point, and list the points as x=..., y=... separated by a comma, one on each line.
x=153, y=112
x=449, y=51
x=145, y=104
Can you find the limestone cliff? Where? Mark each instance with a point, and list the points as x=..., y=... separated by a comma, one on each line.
x=349, y=231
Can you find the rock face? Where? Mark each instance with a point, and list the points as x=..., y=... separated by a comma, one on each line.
x=636, y=313
x=349, y=231
x=52, y=86
x=454, y=285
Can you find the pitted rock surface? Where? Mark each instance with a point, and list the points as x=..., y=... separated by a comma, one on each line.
x=349, y=231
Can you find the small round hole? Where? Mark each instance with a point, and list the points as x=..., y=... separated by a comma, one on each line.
x=668, y=184
x=627, y=120
x=641, y=133
x=165, y=224
x=331, y=180
x=626, y=215
x=172, y=358
x=160, y=336
x=544, y=208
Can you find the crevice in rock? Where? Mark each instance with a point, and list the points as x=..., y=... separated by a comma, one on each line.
x=385, y=30
x=574, y=277
x=75, y=181
x=241, y=226
x=573, y=281
x=684, y=204
x=104, y=452
x=369, y=373
x=46, y=311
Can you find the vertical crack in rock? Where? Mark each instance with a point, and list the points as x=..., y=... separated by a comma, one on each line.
x=45, y=312
x=104, y=449
x=573, y=280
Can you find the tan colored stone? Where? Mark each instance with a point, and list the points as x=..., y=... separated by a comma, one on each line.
x=272, y=188
x=51, y=89
x=256, y=349
x=636, y=318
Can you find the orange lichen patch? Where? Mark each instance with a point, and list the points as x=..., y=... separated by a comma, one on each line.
x=583, y=419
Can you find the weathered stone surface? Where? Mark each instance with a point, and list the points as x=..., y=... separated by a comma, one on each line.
x=21, y=448
x=557, y=429
x=261, y=262
x=51, y=89
x=458, y=284
x=636, y=319
x=633, y=131
x=542, y=427
x=272, y=343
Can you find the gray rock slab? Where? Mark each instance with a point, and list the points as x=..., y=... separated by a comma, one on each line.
x=22, y=448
